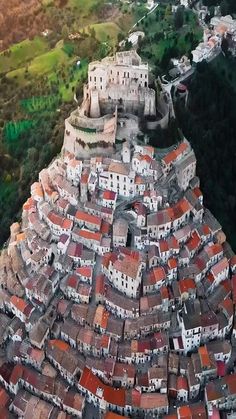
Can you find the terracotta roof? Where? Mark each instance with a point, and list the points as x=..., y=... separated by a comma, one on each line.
x=219, y=267
x=93, y=384
x=119, y=167
x=182, y=383
x=173, y=155
x=109, y=195
x=153, y=400
x=163, y=245
x=86, y=271
x=186, y=284
x=90, y=235
x=88, y=218
x=100, y=284
x=184, y=412
x=194, y=242
x=72, y=281
x=172, y=263
x=60, y=344
x=19, y=303
x=101, y=317
x=128, y=266
x=204, y=357
x=4, y=398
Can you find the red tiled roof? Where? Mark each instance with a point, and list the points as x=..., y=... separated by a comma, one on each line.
x=204, y=357
x=193, y=242
x=163, y=245
x=182, y=383
x=92, y=383
x=109, y=195
x=100, y=284
x=85, y=271
x=19, y=303
x=4, y=398
x=184, y=412
x=88, y=218
x=219, y=267
x=72, y=281
x=172, y=263
x=60, y=344
x=186, y=284
x=172, y=156
x=197, y=191
x=90, y=235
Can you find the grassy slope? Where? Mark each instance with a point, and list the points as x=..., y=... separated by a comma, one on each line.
x=21, y=53
x=103, y=30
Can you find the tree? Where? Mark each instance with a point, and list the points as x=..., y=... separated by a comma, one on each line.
x=225, y=46
x=179, y=18
x=224, y=7
x=168, y=11
x=120, y=37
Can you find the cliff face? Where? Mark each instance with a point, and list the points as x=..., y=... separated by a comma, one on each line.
x=23, y=18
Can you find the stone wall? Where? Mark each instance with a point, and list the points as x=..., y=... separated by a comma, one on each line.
x=87, y=143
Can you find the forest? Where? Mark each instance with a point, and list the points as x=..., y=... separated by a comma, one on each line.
x=209, y=123
x=226, y=6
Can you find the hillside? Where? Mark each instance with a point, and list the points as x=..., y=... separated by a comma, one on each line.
x=28, y=18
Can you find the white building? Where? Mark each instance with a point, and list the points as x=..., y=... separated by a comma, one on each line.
x=126, y=274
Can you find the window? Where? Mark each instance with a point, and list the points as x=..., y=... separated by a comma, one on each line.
x=101, y=79
x=90, y=78
x=94, y=78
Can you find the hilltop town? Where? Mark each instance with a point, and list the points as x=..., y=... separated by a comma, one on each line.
x=118, y=286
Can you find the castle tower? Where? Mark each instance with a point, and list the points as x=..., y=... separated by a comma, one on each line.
x=150, y=103
x=125, y=153
x=94, y=104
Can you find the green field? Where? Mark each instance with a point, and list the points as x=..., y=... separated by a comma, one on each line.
x=104, y=31
x=42, y=64
x=21, y=53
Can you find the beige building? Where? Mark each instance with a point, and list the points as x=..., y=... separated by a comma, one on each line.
x=122, y=81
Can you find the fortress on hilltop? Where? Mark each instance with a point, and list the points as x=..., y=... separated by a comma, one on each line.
x=115, y=97
x=120, y=81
